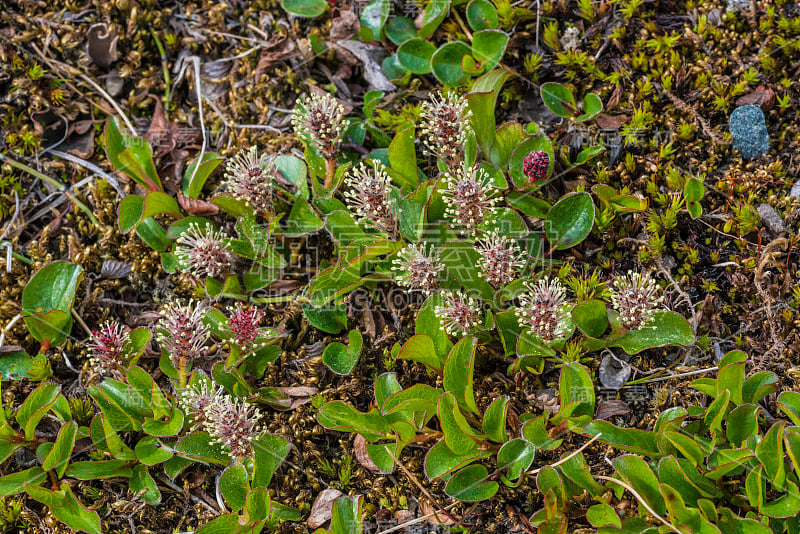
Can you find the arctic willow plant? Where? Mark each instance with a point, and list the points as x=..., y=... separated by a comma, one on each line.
x=200, y=411
x=460, y=236
x=465, y=231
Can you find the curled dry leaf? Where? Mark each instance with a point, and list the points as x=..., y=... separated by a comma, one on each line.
x=762, y=96
x=114, y=270
x=360, y=452
x=612, y=408
x=102, y=45
x=370, y=57
x=297, y=396
x=322, y=509
x=439, y=519
x=345, y=26
x=194, y=206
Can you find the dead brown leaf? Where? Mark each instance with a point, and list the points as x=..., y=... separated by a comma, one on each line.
x=360, y=452
x=612, y=408
x=194, y=206
x=102, y=45
x=762, y=96
x=322, y=509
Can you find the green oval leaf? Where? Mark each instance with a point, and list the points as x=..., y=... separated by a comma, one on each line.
x=233, y=486
x=667, y=328
x=558, y=99
x=471, y=484
x=591, y=317
x=488, y=47
x=415, y=55
x=435, y=12
x=305, y=8
x=399, y=30
x=47, y=301
x=446, y=61
x=570, y=220
x=481, y=15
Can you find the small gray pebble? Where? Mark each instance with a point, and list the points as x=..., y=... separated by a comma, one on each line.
x=749, y=130
x=771, y=219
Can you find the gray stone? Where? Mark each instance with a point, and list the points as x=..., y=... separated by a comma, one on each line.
x=749, y=130
x=771, y=219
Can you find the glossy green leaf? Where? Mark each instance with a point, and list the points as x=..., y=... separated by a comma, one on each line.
x=787, y=505
x=471, y=484
x=420, y=348
x=667, y=328
x=575, y=385
x=233, y=485
x=340, y=358
x=59, y=455
x=789, y=404
x=488, y=47
x=434, y=14
x=601, y=515
x=494, y=420
x=458, y=373
x=570, y=220
x=481, y=15
x=15, y=482
x=440, y=461
x=47, y=301
x=415, y=55
x=97, y=470
x=758, y=386
x=35, y=407
x=15, y=364
x=131, y=155
x=394, y=71
x=398, y=30
x=302, y=219
x=373, y=17
x=446, y=61
x=337, y=415
x=639, y=475
x=769, y=452
x=65, y=507
x=428, y=324
x=482, y=102
x=558, y=99
x=143, y=484
x=305, y=8
x=199, y=446
x=627, y=439
x=331, y=318
x=346, y=516
x=402, y=149
x=592, y=107
x=516, y=456
x=687, y=446
x=153, y=234
x=193, y=182
x=535, y=431
x=591, y=317
x=457, y=433
x=150, y=451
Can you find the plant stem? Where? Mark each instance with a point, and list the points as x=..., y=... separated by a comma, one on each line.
x=164, y=66
x=52, y=181
x=330, y=171
x=274, y=300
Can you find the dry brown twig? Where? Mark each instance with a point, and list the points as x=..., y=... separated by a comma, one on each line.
x=768, y=256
